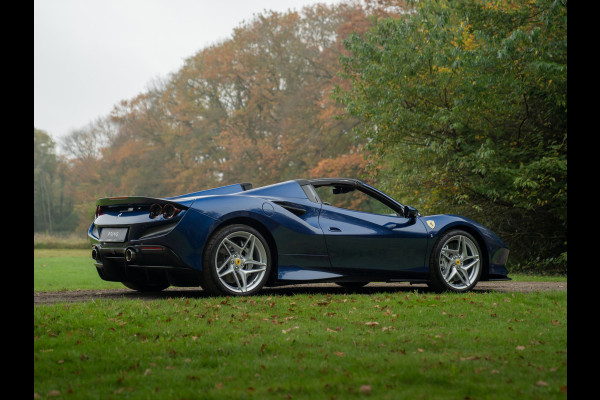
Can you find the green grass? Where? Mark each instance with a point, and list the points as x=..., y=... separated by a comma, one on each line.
x=58, y=241
x=320, y=346
x=522, y=277
x=66, y=269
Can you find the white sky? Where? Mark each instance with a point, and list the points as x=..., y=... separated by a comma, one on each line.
x=91, y=54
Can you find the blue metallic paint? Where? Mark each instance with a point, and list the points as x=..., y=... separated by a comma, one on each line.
x=287, y=273
x=383, y=242
x=491, y=244
x=322, y=243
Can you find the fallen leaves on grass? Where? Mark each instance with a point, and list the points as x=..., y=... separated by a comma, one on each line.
x=284, y=331
x=123, y=389
x=563, y=389
x=365, y=389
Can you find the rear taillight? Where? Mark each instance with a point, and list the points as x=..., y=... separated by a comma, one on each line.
x=169, y=211
x=155, y=210
x=99, y=211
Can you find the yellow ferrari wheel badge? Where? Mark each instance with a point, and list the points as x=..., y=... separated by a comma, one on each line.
x=238, y=261
x=457, y=262
x=431, y=224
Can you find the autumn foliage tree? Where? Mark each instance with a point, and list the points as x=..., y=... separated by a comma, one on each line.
x=464, y=106
x=455, y=107
x=254, y=108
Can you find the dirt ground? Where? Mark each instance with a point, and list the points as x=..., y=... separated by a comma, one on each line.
x=317, y=288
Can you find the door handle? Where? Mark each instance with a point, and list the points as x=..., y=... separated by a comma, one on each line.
x=334, y=229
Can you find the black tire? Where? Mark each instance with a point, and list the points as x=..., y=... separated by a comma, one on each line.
x=145, y=287
x=351, y=285
x=462, y=278
x=226, y=255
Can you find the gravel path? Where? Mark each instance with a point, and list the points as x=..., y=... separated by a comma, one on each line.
x=316, y=288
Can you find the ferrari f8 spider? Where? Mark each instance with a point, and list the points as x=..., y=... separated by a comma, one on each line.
x=234, y=240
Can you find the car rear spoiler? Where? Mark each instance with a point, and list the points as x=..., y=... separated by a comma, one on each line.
x=135, y=200
x=179, y=201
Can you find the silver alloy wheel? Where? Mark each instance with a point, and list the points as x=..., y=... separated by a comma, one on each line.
x=459, y=262
x=241, y=261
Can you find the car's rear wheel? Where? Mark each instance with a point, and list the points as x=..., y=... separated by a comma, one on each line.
x=237, y=261
x=145, y=287
x=455, y=263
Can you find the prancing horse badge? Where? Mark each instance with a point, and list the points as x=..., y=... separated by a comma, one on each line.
x=431, y=224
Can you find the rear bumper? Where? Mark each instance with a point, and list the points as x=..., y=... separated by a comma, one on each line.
x=140, y=255
x=150, y=264
x=181, y=241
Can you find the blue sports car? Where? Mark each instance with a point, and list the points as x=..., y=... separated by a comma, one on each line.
x=233, y=240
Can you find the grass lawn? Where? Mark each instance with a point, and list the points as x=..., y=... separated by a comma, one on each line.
x=388, y=346
x=521, y=277
x=66, y=269
x=302, y=346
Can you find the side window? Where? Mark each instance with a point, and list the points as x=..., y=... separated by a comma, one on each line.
x=352, y=199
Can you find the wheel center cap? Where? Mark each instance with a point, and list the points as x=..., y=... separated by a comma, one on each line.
x=238, y=261
x=457, y=261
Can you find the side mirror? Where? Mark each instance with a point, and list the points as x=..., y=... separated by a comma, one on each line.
x=410, y=212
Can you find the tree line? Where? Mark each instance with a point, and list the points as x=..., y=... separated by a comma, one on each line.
x=452, y=107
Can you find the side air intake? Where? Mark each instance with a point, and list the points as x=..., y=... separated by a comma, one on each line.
x=291, y=208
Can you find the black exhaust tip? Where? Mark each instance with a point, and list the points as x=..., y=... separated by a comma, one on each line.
x=95, y=253
x=129, y=254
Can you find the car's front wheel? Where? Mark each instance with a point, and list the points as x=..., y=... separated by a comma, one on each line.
x=455, y=263
x=237, y=261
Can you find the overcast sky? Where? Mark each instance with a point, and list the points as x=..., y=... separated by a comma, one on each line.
x=91, y=54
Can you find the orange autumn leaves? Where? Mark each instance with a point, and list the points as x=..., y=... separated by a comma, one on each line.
x=256, y=107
